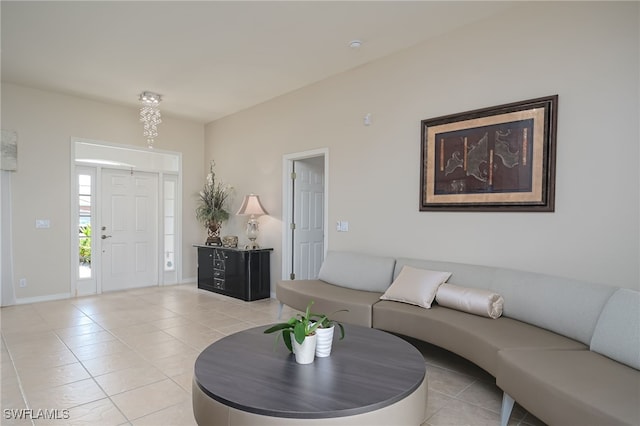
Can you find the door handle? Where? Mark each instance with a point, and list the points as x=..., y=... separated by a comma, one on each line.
x=104, y=237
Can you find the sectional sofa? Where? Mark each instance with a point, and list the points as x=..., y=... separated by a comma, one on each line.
x=567, y=351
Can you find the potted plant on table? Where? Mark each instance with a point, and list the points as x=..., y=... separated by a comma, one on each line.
x=324, y=341
x=303, y=327
x=212, y=209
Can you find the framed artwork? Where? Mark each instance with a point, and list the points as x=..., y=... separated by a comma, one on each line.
x=9, y=151
x=492, y=159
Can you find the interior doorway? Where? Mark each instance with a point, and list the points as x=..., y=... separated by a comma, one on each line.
x=305, y=181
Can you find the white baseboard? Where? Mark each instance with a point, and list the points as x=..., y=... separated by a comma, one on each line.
x=48, y=298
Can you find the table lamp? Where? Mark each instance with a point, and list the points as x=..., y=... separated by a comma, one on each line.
x=251, y=205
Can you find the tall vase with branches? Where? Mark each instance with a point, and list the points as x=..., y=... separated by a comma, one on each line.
x=212, y=209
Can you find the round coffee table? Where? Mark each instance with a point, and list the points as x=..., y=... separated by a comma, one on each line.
x=372, y=377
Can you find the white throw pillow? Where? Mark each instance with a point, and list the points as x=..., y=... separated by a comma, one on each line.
x=473, y=300
x=415, y=286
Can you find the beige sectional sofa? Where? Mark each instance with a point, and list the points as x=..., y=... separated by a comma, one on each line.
x=568, y=351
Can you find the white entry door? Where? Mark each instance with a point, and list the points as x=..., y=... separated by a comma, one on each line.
x=129, y=229
x=308, y=213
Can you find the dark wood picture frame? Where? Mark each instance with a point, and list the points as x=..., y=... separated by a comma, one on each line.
x=494, y=159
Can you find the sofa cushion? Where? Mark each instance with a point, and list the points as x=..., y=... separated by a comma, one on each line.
x=357, y=271
x=328, y=298
x=571, y=387
x=562, y=305
x=565, y=306
x=415, y=286
x=476, y=338
x=473, y=300
x=617, y=332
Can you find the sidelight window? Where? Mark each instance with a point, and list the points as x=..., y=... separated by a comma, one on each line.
x=85, y=204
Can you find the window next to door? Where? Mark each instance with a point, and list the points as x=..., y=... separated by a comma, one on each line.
x=170, y=196
x=169, y=225
x=85, y=203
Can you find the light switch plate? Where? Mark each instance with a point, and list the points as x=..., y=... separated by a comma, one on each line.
x=43, y=223
x=342, y=226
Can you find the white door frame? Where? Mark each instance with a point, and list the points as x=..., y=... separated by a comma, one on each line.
x=287, y=199
x=161, y=168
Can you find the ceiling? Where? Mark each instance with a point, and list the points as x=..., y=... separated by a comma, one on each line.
x=209, y=59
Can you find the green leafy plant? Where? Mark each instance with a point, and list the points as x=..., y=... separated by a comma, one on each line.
x=301, y=326
x=84, y=248
x=212, y=209
x=326, y=322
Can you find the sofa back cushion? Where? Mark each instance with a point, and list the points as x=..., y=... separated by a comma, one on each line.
x=617, y=332
x=562, y=305
x=357, y=271
x=463, y=274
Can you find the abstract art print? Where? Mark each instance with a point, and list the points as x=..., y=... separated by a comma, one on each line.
x=9, y=151
x=492, y=159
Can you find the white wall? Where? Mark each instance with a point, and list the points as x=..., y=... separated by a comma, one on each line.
x=585, y=52
x=45, y=123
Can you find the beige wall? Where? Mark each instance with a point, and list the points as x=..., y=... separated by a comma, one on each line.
x=45, y=123
x=587, y=53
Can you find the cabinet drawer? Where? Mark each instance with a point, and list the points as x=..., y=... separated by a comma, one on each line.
x=219, y=284
x=218, y=274
x=218, y=264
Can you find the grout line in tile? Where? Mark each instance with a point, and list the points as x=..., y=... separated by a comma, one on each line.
x=15, y=370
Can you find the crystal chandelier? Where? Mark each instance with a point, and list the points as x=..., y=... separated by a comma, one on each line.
x=150, y=115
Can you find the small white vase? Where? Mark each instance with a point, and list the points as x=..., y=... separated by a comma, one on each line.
x=305, y=352
x=324, y=342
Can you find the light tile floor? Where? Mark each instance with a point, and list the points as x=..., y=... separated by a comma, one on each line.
x=126, y=358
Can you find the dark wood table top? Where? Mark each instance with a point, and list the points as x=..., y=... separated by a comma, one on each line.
x=368, y=370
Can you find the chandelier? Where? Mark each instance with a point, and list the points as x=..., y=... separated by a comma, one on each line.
x=150, y=115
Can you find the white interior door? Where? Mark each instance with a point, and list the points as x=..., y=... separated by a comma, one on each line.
x=128, y=232
x=308, y=213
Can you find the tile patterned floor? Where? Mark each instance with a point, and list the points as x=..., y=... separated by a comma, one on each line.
x=126, y=358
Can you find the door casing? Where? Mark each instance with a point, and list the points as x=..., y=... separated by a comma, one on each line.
x=287, y=200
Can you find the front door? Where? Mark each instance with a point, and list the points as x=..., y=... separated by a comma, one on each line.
x=128, y=232
x=308, y=213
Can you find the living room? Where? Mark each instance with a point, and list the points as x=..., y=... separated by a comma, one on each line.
x=585, y=52
x=593, y=233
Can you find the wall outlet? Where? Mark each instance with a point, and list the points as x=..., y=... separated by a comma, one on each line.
x=22, y=282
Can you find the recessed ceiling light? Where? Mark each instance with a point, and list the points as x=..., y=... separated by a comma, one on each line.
x=354, y=44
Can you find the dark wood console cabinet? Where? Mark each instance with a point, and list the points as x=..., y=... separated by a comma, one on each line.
x=239, y=273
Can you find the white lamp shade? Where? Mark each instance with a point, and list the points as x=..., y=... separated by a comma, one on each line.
x=252, y=205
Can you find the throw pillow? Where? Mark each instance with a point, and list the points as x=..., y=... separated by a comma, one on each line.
x=415, y=286
x=472, y=300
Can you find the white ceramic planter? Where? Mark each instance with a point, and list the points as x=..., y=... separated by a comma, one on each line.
x=324, y=341
x=305, y=352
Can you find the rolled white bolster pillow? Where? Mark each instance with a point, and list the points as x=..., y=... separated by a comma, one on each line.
x=473, y=300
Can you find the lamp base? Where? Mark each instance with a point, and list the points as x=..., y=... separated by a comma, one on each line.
x=252, y=245
x=213, y=241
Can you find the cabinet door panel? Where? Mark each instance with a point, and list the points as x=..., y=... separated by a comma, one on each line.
x=205, y=267
x=234, y=273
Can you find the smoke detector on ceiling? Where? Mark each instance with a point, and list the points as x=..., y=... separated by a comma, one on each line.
x=355, y=44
